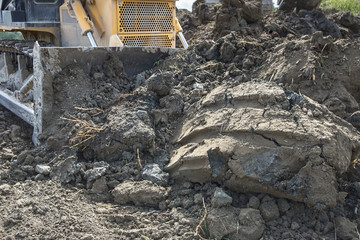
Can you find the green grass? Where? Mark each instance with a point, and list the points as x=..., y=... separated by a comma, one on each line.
x=11, y=36
x=343, y=5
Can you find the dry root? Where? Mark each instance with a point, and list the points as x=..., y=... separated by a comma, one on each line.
x=198, y=227
x=138, y=158
x=87, y=130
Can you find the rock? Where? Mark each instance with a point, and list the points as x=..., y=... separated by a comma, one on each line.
x=198, y=198
x=39, y=177
x=5, y=189
x=222, y=222
x=157, y=84
x=29, y=160
x=65, y=170
x=52, y=143
x=187, y=185
x=173, y=104
x=254, y=202
x=235, y=224
x=295, y=226
x=100, y=186
x=15, y=131
x=43, y=169
x=283, y=205
x=345, y=229
x=7, y=154
x=97, y=171
x=128, y=132
x=251, y=224
x=153, y=173
x=87, y=237
x=269, y=210
x=143, y=115
x=220, y=198
x=272, y=155
x=142, y=193
x=252, y=11
x=22, y=156
x=18, y=175
x=28, y=169
x=187, y=203
x=227, y=51
x=248, y=63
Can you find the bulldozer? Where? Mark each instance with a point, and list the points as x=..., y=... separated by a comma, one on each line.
x=58, y=33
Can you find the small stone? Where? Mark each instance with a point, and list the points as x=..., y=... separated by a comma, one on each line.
x=187, y=203
x=43, y=169
x=22, y=156
x=252, y=225
x=39, y=177
x=65, y=170
x=87, y=237
x=52, y=143
x=222, y=222
x=141, y=193
x=220, y=198
x=15, y=131
x=153, y=173
x=187, y=185
x=5, y=189
x=142, y=115
x=248, y=63
x=7, y=154
x=198, y=198
x=254, y=202
x=157, y=84
x=345, y=229
x=295, y=226
x=98, y=75
x=269, y=210
x=97, y=171
x=283, y=205
x=100, y=186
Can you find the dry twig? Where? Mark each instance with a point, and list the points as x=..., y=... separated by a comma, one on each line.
x=198, y=227
x=138, y=157
x=99, y=111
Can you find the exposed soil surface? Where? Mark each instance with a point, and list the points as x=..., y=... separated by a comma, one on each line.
x=251, y=133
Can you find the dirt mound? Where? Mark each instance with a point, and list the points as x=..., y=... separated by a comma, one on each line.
x=250, y=119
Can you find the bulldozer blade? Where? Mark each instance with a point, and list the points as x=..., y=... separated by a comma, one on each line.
x=50, y=61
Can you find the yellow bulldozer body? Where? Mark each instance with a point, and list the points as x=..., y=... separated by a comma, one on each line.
x=135, y=23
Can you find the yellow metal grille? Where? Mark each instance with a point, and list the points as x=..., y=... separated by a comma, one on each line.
x=145, y=16
x=147, y=23
x=147, y=41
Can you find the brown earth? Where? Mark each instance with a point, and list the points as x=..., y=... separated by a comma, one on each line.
x=249, y=134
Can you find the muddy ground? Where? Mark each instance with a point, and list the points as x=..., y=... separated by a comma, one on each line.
x=252, y=133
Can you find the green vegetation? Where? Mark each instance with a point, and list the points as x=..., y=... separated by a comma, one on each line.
x=343, y=5
x=11, y=36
